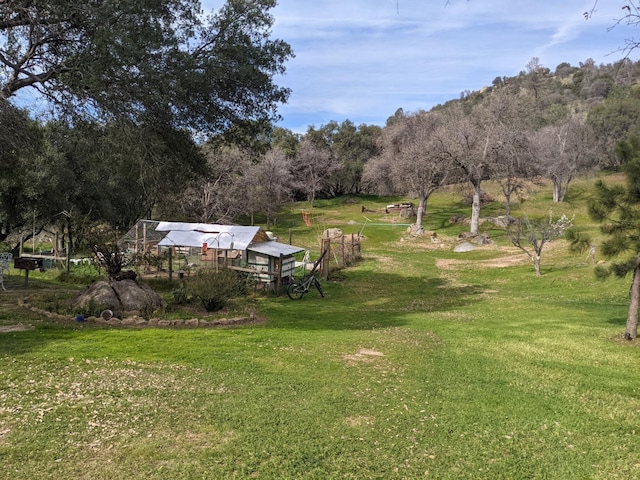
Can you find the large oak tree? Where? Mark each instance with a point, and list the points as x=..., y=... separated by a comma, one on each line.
x=128, y=83
x=146, y=59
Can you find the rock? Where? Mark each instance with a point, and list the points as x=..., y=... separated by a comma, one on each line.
x=332, y=233
x=502, y=221
x=464, y=247
x=125, y=295
x=134, y=296
x=191, y=323
x=415, y=230
x=408, y=212
x=482, y=239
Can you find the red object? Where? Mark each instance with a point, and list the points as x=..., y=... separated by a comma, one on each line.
x=204, y=248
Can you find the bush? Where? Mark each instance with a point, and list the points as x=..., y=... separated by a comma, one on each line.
x=214, y=289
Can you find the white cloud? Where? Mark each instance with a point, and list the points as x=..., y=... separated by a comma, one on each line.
x=363, y=59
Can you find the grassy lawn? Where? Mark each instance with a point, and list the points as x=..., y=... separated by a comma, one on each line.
x=419, y=363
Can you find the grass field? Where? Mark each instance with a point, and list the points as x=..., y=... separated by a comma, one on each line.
x=419, y=363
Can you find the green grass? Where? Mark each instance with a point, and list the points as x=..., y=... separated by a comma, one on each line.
x=419, y=363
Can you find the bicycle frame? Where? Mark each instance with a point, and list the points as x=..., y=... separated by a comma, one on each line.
x=297, y=290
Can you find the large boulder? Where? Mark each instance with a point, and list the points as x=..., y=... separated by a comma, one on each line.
x=124, y=295
x=332, y=233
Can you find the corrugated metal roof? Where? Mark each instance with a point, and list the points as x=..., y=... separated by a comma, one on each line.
x=222, y=237
x=200, y=227
x=216, y=236
x=274, y=249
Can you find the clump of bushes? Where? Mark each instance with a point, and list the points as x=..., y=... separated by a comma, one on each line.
x=212, y=289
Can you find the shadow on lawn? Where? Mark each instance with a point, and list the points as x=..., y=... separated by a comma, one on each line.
x=362, y=302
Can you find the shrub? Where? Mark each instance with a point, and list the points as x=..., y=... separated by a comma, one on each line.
x=180, y=295
x=214, y=289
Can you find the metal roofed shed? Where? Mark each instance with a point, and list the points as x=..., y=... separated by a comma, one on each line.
x=249, y=248
x=272, y=257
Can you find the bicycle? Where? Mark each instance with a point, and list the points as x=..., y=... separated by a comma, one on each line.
x=296, y=291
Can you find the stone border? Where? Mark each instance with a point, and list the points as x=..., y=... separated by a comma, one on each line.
x=137, y=321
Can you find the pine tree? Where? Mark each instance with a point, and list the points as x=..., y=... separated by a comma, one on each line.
x=617, y=208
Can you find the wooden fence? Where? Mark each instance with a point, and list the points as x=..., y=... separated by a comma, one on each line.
x=341, y=252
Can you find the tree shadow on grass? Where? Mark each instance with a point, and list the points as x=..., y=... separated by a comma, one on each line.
x=619, y=320
x=371, y=301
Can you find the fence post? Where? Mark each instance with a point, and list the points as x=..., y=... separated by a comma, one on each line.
x=325, y=245
x=278, y=273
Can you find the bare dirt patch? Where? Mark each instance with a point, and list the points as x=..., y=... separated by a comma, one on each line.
x=15, y=328
x=501, y=262
x=359, y=421
x=364, y=355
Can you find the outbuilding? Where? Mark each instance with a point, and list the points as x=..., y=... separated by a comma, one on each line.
x=246, y=248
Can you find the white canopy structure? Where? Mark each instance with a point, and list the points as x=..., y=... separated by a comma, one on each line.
x=221, y=237
x=268, y=259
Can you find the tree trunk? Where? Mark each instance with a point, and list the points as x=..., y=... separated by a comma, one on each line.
x=475, y=209
x=558, y=191
x=634, y=302
x=536, y=264
x=422, y=210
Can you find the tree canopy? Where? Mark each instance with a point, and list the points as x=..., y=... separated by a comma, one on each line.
x=144, y=60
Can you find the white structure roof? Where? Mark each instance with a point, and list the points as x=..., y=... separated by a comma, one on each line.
x=181, y=234
x=274, y=249
x=221, y=237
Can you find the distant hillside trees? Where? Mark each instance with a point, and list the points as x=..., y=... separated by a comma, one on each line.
x=615, y=118
x=351, y=147
x=536, y=125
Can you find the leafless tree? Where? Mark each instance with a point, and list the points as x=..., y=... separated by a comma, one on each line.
x=312, y=167
x=411, y=161
x=465, y=141
x=268, y=185
x=531, y=236
x=376, y=177
x=218, y=197
x=563, y=152
x=511, y=160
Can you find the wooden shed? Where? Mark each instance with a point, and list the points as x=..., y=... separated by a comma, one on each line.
x=272, y=257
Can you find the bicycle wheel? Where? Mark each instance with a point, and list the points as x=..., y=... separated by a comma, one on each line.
x=295, y=291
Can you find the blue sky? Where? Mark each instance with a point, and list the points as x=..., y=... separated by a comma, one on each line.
x=363, y=59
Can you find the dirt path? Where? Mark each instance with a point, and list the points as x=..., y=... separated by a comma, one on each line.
x=15, y=328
